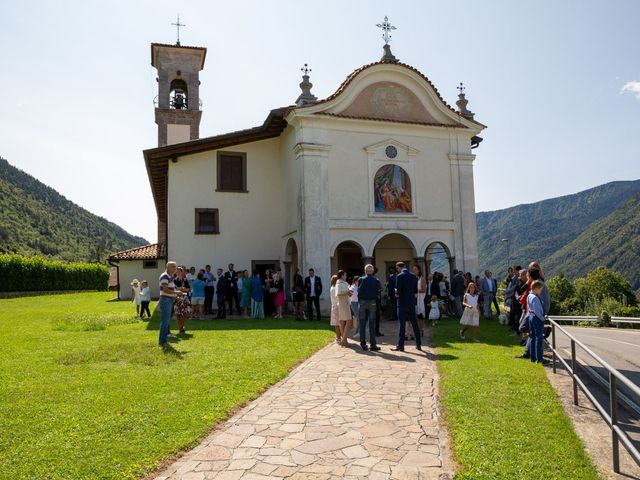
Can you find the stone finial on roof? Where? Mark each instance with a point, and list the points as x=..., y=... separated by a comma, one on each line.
x=306, y=97
x=462, y=103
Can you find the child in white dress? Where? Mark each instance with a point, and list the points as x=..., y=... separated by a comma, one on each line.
x=434, y=310
x=135, y=295
x=471, y=315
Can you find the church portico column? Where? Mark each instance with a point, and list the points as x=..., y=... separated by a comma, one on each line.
x=314, y=206
x=466, y=236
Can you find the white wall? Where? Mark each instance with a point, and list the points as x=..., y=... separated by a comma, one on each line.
x=251, y=224
x=128, y=270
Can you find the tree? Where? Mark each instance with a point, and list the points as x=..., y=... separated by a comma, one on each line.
x=603, y=283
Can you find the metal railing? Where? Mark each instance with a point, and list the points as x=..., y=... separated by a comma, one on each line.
x=574, y=320
x=611, y=417
x=619, y=320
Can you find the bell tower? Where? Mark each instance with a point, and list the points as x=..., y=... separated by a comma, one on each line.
x=178, y=102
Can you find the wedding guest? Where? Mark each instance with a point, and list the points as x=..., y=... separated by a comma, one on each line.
x=182, y=306
x=168, y=295
x=298, y=295
x=334, y=319
x=245, y=300
x=420, y=298
x=471, y=315
x=344, y=306
x=313, y=290
x=145, y=299
x=209, y=290
x=239, y=290
x=197, y=296
x=279, y=300
x=257, y=296
x=231, y=292
x=406, y=290
x=269, y=293
x=221, y=292
x=368, y=287
x=192, y=276
x=135, y=295
x=355, y=305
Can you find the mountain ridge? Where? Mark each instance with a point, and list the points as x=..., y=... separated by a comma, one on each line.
x=35, y=219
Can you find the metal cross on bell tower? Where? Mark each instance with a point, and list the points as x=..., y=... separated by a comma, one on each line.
x=386, y=28
x=178, y=25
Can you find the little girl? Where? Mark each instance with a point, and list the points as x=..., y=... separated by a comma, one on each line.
x=135, y=295
x=471, y=315
x=434, y=311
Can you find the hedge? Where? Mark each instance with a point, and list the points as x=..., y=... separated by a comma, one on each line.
x=22, y=274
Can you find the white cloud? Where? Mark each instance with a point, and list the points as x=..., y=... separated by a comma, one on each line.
x=632, y=87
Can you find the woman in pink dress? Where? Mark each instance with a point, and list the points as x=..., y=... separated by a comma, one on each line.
x=278, y=300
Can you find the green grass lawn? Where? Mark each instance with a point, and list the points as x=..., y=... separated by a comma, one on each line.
x=86, y=393
x=504, y=416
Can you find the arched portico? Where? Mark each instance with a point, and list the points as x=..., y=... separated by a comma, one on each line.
x=390, y=248
x=348, y=255
x=438, y=258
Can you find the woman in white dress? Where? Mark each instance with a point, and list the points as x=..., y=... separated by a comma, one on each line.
x=420, y=304
x=471, y=315
x=135, y=295
x=335, y=316
x=344, y=306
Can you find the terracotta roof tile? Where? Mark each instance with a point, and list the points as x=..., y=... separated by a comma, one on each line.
x=152, y=251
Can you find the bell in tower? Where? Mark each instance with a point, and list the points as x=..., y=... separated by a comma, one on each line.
x=178, y=103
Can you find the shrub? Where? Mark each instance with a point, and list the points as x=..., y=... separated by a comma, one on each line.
x=22, y=274
x=561, y=290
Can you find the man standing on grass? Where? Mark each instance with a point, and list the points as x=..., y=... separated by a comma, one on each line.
x=406, y=291
x=488, y=292
x=222, y=289
x=209, y=290
x=313, y=289
x=168, y=295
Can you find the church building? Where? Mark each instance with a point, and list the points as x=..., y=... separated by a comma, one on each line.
x=378, y=172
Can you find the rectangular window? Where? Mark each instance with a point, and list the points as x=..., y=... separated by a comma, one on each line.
x=150, y=264
x=232, y=172
x=207, y=221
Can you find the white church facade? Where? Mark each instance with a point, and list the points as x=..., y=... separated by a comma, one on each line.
x=378, y=172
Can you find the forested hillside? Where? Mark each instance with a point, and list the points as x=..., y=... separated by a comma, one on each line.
x=35, y=219
x=539, y=230
x=612, y=242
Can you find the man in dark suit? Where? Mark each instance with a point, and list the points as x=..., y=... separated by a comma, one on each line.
x=221, y=291
x=232, y=289
x=391, y=293
x=313, y=290
x=406, y=291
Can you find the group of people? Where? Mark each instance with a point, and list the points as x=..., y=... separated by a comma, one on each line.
x=413, y=299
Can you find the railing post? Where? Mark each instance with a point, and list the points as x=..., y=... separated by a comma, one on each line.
x=574, y=372
x=553, y=346
x=613, y=409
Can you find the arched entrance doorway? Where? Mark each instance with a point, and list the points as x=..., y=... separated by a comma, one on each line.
x=389, y=250
x=348, y=257
x=437, y=258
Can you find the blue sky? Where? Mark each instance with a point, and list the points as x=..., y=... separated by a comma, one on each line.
x=557, y=83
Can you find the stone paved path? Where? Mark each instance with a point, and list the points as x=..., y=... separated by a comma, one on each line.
x=342, y=414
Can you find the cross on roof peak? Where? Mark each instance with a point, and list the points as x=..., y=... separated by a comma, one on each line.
x=386, y=28
x=461, y=88
x=178, y=25
x=305, y=69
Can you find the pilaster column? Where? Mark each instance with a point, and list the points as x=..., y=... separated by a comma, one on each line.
x=464, y=211
x=314, y=210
